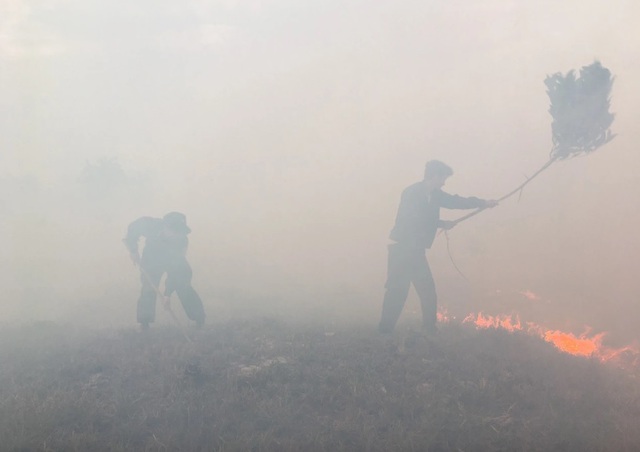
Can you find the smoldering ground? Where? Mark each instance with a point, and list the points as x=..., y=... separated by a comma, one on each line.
x=271, y=385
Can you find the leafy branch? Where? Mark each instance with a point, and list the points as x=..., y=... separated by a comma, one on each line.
x=581, y=118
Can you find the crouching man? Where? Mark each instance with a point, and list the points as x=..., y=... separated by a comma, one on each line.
x=164, y=251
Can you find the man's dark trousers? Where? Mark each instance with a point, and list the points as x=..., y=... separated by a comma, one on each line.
x=408, y=265
x=178, y=278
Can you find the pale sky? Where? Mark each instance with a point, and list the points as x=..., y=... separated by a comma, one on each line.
x=286, y=130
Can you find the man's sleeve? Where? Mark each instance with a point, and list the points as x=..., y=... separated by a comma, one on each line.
x=458, y=202
x=137, y=229
x=180, y=245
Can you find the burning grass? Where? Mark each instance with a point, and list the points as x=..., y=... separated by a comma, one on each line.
x=269, y=385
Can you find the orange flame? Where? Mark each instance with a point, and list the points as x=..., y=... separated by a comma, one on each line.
x=583, y=345
x=443, y=316
x=579, y=346
x=529, y=295
x=504, y=322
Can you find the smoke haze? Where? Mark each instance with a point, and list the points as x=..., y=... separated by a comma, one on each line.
x=286, y=130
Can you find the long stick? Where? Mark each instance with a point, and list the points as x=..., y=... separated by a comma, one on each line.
x=511, y=193
x=167, y=306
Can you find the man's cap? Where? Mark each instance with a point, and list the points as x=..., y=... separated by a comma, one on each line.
x=177, y=222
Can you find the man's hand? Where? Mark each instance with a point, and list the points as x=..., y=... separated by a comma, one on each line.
x=446, y=225
x=135, y=258
x=490, y=203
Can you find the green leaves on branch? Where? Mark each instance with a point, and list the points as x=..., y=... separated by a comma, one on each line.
x=581, y=118
x=580, y=110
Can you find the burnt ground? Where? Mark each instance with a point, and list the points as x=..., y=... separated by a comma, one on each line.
x=269, y=385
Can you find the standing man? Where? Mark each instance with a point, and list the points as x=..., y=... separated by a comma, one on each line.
x=416, y=224
x=164, y=252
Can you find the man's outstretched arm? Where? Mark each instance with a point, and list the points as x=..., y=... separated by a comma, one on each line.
x=459, y=202
x=138, y=228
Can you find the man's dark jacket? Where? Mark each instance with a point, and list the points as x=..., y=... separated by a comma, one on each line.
x=418, y=215
x=160, y=252
x=151, y=229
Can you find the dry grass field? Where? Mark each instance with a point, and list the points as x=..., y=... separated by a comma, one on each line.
x=270, y=385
